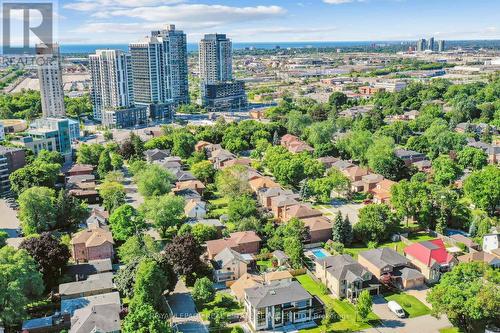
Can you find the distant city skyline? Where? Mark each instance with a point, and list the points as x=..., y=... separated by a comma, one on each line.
x=105, y=21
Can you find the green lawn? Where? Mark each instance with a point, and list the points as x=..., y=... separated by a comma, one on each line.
x=343, y=307
x=410, y=304
x=223, y=301
x=219, y=201
x=264, y=264
x=449, y=330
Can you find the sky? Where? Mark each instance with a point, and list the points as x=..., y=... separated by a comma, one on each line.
x=124, y=21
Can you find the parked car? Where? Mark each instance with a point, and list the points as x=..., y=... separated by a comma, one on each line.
x=397, y=309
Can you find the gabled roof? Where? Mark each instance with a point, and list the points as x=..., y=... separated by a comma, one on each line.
x=429, y=252
x=234, y=240
x=465, y=240
x=92, y=237
x=301, y=211
x=480, y=256
x=277, y=276
x=383, y=257
x=194, y=184
x=260, y=182
x=410, y=274
x=245, y=281
x=276, y=293
x=158, y=153
x=343, y=267
x=96, y=282
x=226, y=256
x=96, y=318
x=283, y=200
x=317, y=223
x=81, y=168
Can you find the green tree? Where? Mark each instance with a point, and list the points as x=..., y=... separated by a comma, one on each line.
x=116, y=161
x=382, y=159
x=137, y=247
x=204, y=171
x=125, y=222
x=203, y=232
x=154, y=181
x=36, y=210
x=337, y=99
x=218, y=319
x=70, y=211
x=483, y=188
x=3, y=238
x=203, y=291
x=183, y=254
x=144, y=319
x=294, y=249
x=112, y=194
x=240, y=207
x=232, y=181
x=39, y=173
x=364, y=304
x=356, y=144
x=473, y=158
x=445, y=170
x=125, y=278
x=20, y=283
x=165, y=212
x=104, y=165
x=183, y=144
x=89, y=154
x=297, y=122
x=468, y=295
x=342, y=230
x=150, y=284
x=51, y=157
x=411, y=199
x=376, y=223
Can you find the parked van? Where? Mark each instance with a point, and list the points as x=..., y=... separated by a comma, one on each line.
x=396, y=308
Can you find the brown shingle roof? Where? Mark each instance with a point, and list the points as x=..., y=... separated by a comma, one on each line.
x=92, y=237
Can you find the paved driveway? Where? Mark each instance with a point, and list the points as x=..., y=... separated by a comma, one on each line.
x=185, y=316
x=391, y=323
x=10, y=223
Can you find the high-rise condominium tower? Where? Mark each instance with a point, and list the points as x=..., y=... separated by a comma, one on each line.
x=430, y=45
x=50, y=78
x=174, y=54
x=216, y=63
x=111, y=81
x=441, y=44
x=421, y=45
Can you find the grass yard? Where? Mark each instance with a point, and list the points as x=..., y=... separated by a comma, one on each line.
x=450, y=330
x=343, y=307
x=264, y=265
x=410, y=304
x=224, y=301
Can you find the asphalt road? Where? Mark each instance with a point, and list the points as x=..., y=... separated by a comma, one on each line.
x=186, y=318
x=9, y=223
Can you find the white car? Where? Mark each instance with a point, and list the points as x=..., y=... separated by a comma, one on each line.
x=396, y=308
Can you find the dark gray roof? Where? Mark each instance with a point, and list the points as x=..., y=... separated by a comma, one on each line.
x=89, y=268
x=410, y=274
x=404, y=153
x=278, y=292
x=343, y=267
x=95, y=282
x=382, y=257
x=280, y=255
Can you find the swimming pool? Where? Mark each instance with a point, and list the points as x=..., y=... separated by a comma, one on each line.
x=319, y=253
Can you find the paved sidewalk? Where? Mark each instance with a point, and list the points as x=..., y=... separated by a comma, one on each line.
x=185, y=316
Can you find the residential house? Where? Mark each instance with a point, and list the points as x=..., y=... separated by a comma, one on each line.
x=467, y=241
x=56, y=323
x=188, y=194
x=294, y=145
x=430, y=258
x=80, y=169
x=246, y=281
x=156, y=154
x=382, y=191
x=328, y=161
x=319, y=228
x=424, y=165
x=220, y=157
x=491, y=242
x=356, y=111
x=209, y=222
x=280, y=202
x=262, y=182
x=278, y=304
x=274, y=276
x=200, y=146
x=241, y=242
x=409, y=156
x=389, y=266
x=341, y=165
x=355, y=173
x=71, y=305
x=184, y=176
x=344, y=276
x=94, y=285
x=299, y=211
x=84, y=270
x=492, y=150
x=265, y=194
x=83, y=187
x=481, y=256
x=229, y=265
x=92, y=244
x=366, y=183
x=190, y=184
x=195, y=209
x=281, y=257
x=102, y=318
x=238, y=161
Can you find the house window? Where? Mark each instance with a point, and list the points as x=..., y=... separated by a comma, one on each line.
x=303, y=304
x=261, y=317
x=278, y=315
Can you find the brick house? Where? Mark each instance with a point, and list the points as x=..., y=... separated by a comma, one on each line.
x=241, y=242
x=92, y=244
x=319, y=228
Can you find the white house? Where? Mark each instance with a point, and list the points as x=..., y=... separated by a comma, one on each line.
x=491, y=242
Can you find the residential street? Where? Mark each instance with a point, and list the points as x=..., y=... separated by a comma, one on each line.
x=9, y=223
x=391, y=323
x=186, y=318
